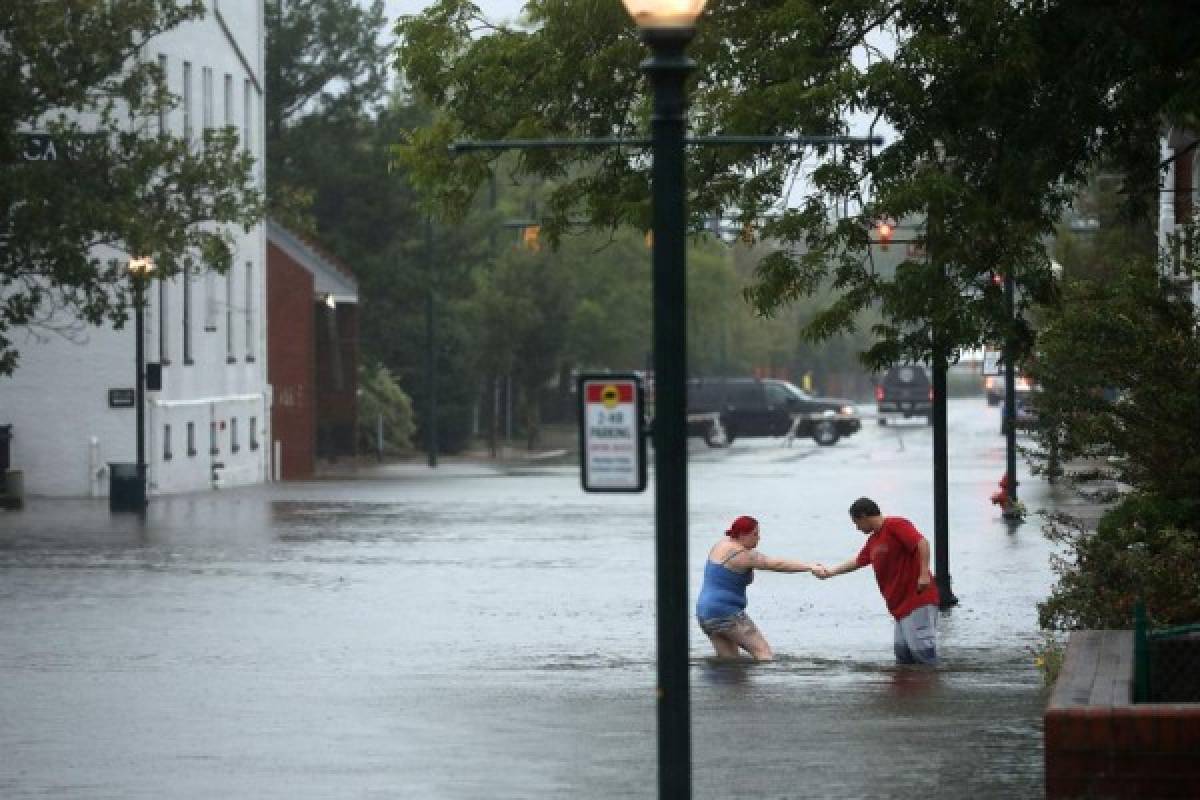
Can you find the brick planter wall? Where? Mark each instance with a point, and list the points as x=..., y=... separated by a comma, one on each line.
x=1099, y=744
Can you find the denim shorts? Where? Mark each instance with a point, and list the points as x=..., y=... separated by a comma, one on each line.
x=739, y=623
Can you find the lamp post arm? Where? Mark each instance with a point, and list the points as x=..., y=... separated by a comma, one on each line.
x=470, y=146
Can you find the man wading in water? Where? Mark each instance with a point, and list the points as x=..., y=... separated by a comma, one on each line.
x=900, y=556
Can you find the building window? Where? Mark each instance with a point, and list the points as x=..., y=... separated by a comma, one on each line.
x=191, y=439
x=162, y=112
x=229, y=356
x=187, y=102
x=254, y=433
x=166, y=442
x=251, y=336
x=187, y=313
x=206, y=81
x=210, y=300
x=233, y=435
x=228, y=100
x=247, y=108
x=164, y=294
x=213, y=449
x=1195, y=185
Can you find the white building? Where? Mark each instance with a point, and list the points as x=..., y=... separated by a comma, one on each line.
x=1179, y=200
x=209, y=425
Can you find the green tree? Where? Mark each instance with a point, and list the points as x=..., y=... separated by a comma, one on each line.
x=326, y=63
x=331, y=125
x=1119, y=371
x=998, y=109
x=117, y=187
x=525, y=304
x=609, y=325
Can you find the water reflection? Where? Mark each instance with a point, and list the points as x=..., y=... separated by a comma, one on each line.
x=911, y=682
x=727, y=671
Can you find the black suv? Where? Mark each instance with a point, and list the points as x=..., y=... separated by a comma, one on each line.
x=766, y=407
x=905, y=391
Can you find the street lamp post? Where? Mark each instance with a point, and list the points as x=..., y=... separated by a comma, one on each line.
x=1010, y=390
x=667, y=26
x=139, y=271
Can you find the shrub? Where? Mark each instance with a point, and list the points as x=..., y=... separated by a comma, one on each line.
x=1147, y=547
x=379, y=396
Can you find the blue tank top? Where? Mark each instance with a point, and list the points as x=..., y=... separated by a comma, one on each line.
x=723, y=592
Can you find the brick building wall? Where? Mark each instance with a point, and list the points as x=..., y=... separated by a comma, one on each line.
x=291, y=362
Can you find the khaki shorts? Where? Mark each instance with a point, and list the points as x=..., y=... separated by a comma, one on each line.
x=915, y=638
x=738, y=624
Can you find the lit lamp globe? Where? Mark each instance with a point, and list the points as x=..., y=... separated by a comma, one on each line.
x=141, y=267
x=664, y=14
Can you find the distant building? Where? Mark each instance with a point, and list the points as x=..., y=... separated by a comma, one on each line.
x=312, y=344
x=209, y=424
x=1177, y=209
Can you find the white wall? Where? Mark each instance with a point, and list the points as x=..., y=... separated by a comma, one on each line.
x=57, y=400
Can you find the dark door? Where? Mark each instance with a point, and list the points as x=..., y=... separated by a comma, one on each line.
x=780, y=405
x=746, y=409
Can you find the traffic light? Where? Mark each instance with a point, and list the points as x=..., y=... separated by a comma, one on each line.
x=531, y=237
x=883, y=232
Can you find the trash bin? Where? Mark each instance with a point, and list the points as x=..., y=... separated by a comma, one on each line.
x=126, y=487
x=5, y=453
x=12, y=493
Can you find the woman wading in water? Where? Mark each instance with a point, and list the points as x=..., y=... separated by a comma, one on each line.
x=729, y=569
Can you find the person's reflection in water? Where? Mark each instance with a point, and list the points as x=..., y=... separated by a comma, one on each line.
x=727, y=671
x=910, y=682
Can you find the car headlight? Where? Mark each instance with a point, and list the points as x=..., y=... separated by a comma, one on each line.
x=847, y=411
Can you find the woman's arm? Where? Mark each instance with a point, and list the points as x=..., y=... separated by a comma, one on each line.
x=762, y=561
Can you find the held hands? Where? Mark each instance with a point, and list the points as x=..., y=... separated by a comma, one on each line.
x=821, y=571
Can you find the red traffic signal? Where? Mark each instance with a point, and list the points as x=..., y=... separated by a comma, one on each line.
x=883, y=232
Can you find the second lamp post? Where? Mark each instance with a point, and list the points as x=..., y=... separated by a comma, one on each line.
x=140, y=270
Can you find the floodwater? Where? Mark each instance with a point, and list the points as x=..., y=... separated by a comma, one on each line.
x=478, y=632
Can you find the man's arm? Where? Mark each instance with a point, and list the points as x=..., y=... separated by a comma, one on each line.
x=822, y=571
x=924, y=577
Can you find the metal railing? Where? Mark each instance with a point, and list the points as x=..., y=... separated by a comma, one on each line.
x=1166, y=661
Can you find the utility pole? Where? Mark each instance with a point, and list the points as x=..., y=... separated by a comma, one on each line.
x=431, y=435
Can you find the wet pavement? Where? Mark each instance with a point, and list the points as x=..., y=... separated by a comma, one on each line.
x=483, y=631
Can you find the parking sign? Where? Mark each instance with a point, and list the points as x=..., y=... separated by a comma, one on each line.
x=612, y=443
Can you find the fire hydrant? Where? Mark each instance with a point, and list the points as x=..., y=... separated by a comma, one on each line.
x=1009, y=508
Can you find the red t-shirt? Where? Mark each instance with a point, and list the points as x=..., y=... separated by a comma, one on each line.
x=892, y=551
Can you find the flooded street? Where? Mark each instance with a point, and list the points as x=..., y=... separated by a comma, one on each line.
x=476, y=632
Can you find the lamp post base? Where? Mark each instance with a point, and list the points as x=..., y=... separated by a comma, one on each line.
x=947, y=597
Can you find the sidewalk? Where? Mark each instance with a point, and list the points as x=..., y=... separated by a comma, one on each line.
x=558, y=445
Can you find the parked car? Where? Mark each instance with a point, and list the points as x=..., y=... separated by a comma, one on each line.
x=1025, y=418
x=993, y=387
x=904, y=391
x=751, y=407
